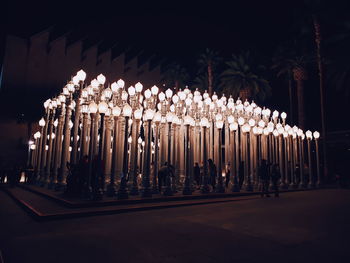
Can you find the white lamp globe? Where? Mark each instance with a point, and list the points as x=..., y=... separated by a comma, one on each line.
x=240, y=121
x=261, y=124
x=147, y=93
x=230, y=119
x=115, y=87
x=42, y=122
x=138, y=87
x=81, y=75
x=124, y=95
x=101, y=79
x=308, y=134
x=138, y=114
x=157, y=117
x=149, y=114
x=219, y=124
x=169, y=117
x=175, y=99
x=37, y=135
x=127, y=110
x=234, y=126
x=121, y=83
x=204, y=122
x=107, y=93
x=94, y=84
x=131, y=91
x=169, y=93
x=283, y=115
x=316, y=135
x=75, y=80
x=102, y=107
x=116, y=111
x=161, y=96
x=251, y=122
x=93, y=107
x=154, y=90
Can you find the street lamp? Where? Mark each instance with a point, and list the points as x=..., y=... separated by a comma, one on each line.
x=220, y=188
x=317, y=136
x=123, y=191
x=156, y=119
x=309, y=138
x=187, y=187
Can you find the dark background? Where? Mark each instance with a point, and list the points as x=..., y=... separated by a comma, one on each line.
x=179, y=31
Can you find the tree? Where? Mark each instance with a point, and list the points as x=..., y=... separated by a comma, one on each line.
x=243, y=77
x=175, y=75
x=207, y=62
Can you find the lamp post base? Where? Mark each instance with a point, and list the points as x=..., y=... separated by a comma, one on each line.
x=248, y=187
x=111, y=190
x=235, y=186
x=146, y=192
x=122, y=192
x=134, y=190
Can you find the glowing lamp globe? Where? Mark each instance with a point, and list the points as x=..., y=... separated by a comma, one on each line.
x=169, y=117
x=154, y=90
x=219, y=124
x=138, y=114
x=182, y=95
x=115, y=87
x=116, y=111
x=101, y=79
x=37, y=135
x=107, y=93
x=93, y=107
x=219, y=103
x=161, y=96
x=246, y=127
x=65, y=91
x=131, y=91
x=251, y=122
x=157, y=117
x=70, y=87
x=127, y=110
x=275, y=114
x=172, y=108
x=147, y=93
x=70, y=125
x=261, y=124
x=204, y=122
x=102, y=107
x=230, y=119
x=280, y=130
x=42, y=122
x=138, y=87
x=239, y=107
x=240, y=121
x=75, y=80
x=275, y=133
x=169, y=93
x=175, y=99
x=234, y=126
x=188, y=101
x=255, y=130
x=55, y=123
x=121, y=83
x=308, y=134
x=214, y=97
x=81, y=75
x=94, y=84
x=218, y=117
x=283, y=115
x=316, y=135
x=300, y=132
x=149, y=114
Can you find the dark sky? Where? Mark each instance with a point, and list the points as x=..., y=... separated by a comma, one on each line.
x=172, y=29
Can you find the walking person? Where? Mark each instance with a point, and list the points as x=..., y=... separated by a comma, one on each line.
x=197, y=175
x=227, y=175
x=265, y=178
x=241, y=174
x=212, y=173
x=275, y=177
x=162, y=174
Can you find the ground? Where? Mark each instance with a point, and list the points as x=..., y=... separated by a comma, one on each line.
x=308, y=226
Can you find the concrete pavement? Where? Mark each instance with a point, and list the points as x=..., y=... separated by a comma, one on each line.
x=309, y=226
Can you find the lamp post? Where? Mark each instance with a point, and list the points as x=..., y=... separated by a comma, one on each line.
x=220, y=187
x=168, y=191
x=301, y=161
x=50, y=151
x=112, y=188
x=316, y=136
x=309, y=138
x=187, y=187
x=123, y=191
x=146, y=190
x=156, y=119
x=133, y=153
x=205, y=187
x=40, y=149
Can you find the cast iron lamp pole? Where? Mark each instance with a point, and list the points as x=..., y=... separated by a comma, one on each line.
x=187, y=188
x=220, y=188
x=168, y=191
x=123, y=191
x=156, y=119
x=309, y=138
x=316, y=136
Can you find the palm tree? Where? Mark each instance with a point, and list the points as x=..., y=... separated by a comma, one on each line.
x=208, y=61
x=175, y=75
x=283, y=68
x=243, y=78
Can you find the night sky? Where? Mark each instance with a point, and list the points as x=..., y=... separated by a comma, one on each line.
x=178, y=31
